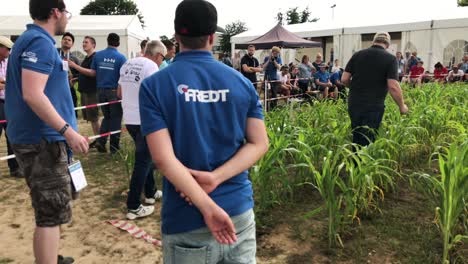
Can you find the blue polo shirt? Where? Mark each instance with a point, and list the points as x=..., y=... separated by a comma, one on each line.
x=35, y=50
x=107, y=64
x=271, y=72
x=323, y=77
x=336, y=76
x=205, y=105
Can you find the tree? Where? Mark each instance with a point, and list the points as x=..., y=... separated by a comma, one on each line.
x=113, y=7
x=231, y=30
x=294, y=16
x=462, y=2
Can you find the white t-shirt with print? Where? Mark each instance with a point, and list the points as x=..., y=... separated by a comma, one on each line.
x=132, y=73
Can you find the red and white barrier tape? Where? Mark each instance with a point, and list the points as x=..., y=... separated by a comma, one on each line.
x=85, y=107
x=89, y=138
x=135, y=231
x=97, y=105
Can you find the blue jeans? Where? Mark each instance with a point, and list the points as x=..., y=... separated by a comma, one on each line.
x=142, y=176
x=365, y=124
x=199, y=246
x=112, y=118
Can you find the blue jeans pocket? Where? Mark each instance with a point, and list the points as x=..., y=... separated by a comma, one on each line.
x=184, y=255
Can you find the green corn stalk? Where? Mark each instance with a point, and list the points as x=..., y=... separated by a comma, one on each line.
x=449, y=191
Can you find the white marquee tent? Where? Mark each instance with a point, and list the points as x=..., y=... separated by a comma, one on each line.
x=128, y=27
x=435, y=40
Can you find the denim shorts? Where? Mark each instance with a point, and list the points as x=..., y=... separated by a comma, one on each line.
x=45, y=167
x=199, y=246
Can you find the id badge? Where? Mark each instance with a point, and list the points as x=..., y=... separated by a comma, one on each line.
x=77, y=175
x=65, y=66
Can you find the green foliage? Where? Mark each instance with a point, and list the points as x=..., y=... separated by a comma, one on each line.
x=462, y=2
x=449, y=194
x=113, y=7
x=295, y=16
x=232, y=29
x=310, y=145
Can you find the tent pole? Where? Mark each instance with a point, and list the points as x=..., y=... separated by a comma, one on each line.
x=265, y=96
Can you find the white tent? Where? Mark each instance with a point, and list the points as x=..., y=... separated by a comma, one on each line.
x=435, y=40
x=128, y=27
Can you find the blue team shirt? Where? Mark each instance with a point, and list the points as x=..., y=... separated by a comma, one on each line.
x=35, y=50
x=204, y=104
x=107, y=64
x=271, y=72
x=335, y=77
x=323, y=77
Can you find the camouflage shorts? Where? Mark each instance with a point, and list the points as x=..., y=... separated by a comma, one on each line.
x=45, y=168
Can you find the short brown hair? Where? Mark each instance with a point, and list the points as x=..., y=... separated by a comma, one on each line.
x=251, y=46
x=193, y=42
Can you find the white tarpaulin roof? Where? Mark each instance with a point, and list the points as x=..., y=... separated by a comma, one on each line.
x=81, y=25
x=332, y=28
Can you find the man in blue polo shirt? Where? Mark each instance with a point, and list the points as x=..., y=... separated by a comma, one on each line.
x=106, y=67
x=204, y=126
x=42, y=123
x=271, y=65
x=322, y=80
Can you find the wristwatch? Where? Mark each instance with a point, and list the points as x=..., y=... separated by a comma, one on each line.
x=64, y=128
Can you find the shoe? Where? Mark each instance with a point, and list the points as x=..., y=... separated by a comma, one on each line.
x=100, y=148
x=142, y=211
x=93, y=144
x=65, y=260
x=157, y=196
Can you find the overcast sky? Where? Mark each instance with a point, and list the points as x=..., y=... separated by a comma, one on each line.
x=259, y=14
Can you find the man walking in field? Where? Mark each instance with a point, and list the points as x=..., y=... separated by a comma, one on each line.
x=370, y=74
x=204, y=126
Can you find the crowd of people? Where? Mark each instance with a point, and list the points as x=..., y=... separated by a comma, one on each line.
x=326, y=77
x=207, y=198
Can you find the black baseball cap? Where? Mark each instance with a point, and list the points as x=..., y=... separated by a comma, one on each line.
x=195, y=18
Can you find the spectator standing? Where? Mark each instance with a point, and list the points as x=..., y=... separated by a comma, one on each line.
x=87, y=87
x=336, y=66
x=203, y=97
x=464, y=66
x=305, y=74
x=132, y=73
x=106, y=68
x=374, y=72
x=142, y=48
x=5, y=46
x=271, y=65
x=285, y=84
x=68, y=40
x=318, y=61
x=225, y=59
x=250, y=65
x=171, y=52
x=42, y=124
x=401, y=65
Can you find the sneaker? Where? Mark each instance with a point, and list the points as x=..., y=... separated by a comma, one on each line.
x=157, y=196
x=142, y=211
x=65, y=260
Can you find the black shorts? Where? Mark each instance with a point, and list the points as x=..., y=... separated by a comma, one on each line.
x=45, y=167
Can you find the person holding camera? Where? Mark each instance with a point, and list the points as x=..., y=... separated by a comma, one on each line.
x=271, y=65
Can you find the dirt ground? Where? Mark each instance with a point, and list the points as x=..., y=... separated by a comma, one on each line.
x=402, y=233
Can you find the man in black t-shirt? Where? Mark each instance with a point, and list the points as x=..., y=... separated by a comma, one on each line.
x=250, y=65
x=87, y=86
x=370, y=74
